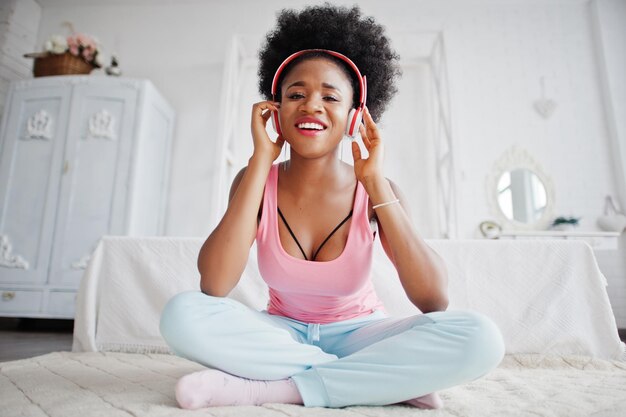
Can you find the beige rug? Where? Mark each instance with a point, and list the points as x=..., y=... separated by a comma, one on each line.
x=68, y=384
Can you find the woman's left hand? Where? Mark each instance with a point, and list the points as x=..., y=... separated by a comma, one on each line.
x=372, y=167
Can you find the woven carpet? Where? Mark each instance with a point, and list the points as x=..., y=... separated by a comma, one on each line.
x=68, y=384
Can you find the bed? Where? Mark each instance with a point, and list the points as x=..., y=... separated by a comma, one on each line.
x=564, y=356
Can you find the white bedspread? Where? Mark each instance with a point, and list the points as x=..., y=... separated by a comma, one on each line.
x=548, y=297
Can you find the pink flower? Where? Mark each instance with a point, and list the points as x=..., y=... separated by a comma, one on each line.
x=82, y=45
x=72, y=41
x=88, y=54
x=85, y=40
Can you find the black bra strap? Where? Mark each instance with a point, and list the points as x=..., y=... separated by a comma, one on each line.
x=331, y=233
x=292, y=235
x=325, y=240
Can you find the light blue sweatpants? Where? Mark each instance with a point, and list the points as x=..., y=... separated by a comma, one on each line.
x=372, y=360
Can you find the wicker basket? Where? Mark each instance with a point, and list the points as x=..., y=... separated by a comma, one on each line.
x=60, y=64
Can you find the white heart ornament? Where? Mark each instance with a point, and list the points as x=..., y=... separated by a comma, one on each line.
x=545, y=107
x=612, y=222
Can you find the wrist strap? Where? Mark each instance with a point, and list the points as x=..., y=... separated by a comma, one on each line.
x=386, y=204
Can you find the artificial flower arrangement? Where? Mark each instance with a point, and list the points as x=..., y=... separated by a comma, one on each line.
x=75, y=54
x=79, y=44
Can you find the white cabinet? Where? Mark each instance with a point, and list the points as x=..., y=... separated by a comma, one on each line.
x=80, y=157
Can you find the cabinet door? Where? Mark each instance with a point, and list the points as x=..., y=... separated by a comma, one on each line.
x=31, y=150
x=93, y=189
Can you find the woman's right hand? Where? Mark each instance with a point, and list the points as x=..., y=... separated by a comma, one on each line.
x=263, y=145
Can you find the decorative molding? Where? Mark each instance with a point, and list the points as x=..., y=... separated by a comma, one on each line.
x=101, y=126
x=7, y=259
x=82, y=262
x=39, y=126
x=518, y=158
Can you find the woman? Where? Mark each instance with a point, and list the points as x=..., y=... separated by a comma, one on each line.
x=325, y=339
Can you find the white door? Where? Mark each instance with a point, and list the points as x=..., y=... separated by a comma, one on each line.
x=30, y=168
x=94, y=186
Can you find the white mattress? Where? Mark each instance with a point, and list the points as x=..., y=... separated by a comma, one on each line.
x=548, y=297
x=110, y=384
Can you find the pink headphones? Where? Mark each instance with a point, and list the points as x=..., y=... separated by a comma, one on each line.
x=354, y=118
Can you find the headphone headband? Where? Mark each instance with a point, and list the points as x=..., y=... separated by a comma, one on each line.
x=354, y=117
x=290, y=58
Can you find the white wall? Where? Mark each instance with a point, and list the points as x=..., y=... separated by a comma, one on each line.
x=19, y=21
x=497, y=53
x=609, y=23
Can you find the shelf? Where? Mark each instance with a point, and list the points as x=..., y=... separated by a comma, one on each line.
x=597, y=240
x=559, y=233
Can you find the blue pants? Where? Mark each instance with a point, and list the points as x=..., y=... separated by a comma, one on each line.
x=371, y=360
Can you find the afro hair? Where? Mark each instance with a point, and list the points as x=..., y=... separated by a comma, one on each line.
x=338, y=29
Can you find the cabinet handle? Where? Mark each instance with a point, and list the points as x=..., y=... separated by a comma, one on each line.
x=66, y=167
x=8, y=295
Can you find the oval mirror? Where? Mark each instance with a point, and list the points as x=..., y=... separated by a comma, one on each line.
x=519, y=192
x=522, y=196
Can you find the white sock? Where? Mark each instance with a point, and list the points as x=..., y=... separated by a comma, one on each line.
x=429, y=401
x=213, y=388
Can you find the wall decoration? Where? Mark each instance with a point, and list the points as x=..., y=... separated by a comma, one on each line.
x=544, y=106
x=7, y=259
x=520, y=194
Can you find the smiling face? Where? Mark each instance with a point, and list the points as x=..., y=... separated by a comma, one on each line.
x=316, y=100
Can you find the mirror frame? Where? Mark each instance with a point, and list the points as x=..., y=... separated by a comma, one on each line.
x=518, y=158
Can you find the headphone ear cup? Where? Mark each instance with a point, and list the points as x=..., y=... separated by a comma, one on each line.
x=354, y=120
x=276, y=122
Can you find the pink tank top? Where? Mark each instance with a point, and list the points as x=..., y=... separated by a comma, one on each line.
x=317, y=292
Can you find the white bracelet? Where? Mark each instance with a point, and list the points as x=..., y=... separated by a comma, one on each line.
x=386, y=204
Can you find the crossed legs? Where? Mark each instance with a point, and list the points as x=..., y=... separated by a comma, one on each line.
x=274, y=359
